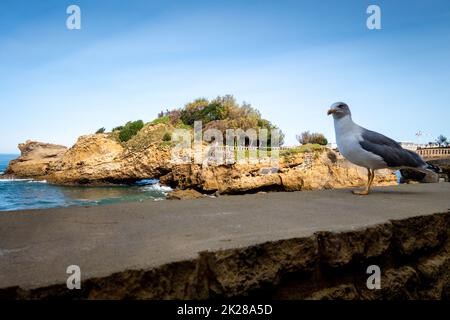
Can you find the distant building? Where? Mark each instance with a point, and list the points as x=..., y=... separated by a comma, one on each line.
x=434, y=152
x=410, y=145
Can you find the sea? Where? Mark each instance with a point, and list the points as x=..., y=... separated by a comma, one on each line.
x=21, y=194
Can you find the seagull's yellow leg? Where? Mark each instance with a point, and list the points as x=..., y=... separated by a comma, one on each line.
x=371, y=180
x=370, y=177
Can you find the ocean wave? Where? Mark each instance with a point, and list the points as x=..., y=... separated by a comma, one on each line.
x=23, y=180
x=14, y=180
x=157, y=187
x=37, y=181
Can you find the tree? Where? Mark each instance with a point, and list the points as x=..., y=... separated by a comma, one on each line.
x=101, y=130
x=192, y=111
x=306, y=137
x=442, y=141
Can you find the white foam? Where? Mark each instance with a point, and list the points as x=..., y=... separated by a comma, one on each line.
x=14, y=180
x=37, y=181
x=23, y=180
x=157, y=187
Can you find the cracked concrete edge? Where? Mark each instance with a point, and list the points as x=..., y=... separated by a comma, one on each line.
x=413, y=254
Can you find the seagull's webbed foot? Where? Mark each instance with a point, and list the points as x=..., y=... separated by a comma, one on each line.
x=370, y=177
x=361, y=193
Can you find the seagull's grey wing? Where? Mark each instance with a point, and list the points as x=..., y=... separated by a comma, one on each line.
x=391, y=151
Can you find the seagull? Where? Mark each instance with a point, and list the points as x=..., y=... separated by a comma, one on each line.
x=370, y=149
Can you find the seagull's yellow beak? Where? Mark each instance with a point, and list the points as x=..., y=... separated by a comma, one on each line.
x=331, y=111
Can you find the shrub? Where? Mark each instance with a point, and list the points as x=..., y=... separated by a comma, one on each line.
x=163, y=119
x=307, y=148
x=314, y=138
x=130, y=129
x=192, y=111
x=101, y=130
x=167, y=136
x=117, y=128
x=224, y=113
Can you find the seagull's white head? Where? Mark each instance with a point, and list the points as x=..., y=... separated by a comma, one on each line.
x=339, y=110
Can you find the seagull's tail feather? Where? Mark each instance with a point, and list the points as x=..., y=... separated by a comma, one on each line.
x=421, y=165
x=427, y=168
x=433, y=168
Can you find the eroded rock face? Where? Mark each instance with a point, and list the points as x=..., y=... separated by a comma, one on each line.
x=36, y=159
x=94, y=159
x=100, y=159
x=307, y=171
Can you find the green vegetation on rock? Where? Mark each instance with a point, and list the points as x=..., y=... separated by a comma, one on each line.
x=167, y=136
x=306, y=148
x=163, y=119
x=312, y=138
x=130, y=129
x=221, y=113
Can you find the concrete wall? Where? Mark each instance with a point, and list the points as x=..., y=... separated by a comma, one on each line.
x=413, y=254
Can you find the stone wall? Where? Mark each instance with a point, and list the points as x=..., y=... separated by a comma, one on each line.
x=413, y=254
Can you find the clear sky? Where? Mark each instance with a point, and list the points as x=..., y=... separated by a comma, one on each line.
x=290, y=59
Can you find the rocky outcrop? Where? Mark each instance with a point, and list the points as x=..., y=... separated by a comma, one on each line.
x=94, y=159
x=408, y=175
x=36, y=159
x=444, y=165
x=413, y=256
x=184, y=195
x=101, y=159
x=306, y=171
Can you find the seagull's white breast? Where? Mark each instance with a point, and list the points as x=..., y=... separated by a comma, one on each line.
x=348, y=136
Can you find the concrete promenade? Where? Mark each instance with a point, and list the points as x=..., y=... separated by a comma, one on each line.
x=37, y=246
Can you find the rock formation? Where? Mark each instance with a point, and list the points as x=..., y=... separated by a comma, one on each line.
x=184, y=195
x=97, y=159
x=36, y=159
x=322, y=169
x=100, y=159
x=94, y=159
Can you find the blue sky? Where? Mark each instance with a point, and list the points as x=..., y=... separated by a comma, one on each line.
x=290, y=59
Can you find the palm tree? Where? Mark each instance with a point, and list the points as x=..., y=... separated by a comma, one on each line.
x=442, y=140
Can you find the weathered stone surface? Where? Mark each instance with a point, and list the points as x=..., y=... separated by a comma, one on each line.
x=341, y=292
x=36, y=159
x=241, y=271
x=409, y=175
x=100, y=159
x=306, y=171
x=420, y=234
x=94, y=159
x=184, y=195
x=292, y=268
x=340, y=249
